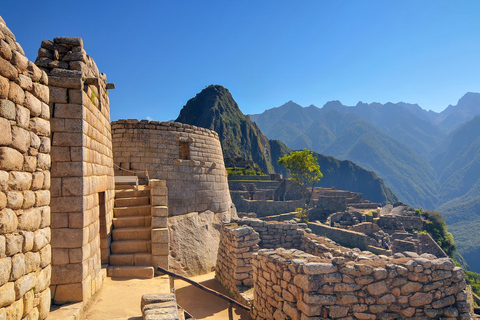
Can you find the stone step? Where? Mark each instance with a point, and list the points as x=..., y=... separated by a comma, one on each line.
x=131, y=259
x=131, y=233
x=131, y=202
x=132, y=211
x=130, y=193
x=135, y=221
x=127, y=186
x=130, y=246
x=138, y=272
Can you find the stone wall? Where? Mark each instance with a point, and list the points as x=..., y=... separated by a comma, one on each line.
x=190, y=160
x=295, y=284
x=234, y=262
x=264, y=208
x=342, y=236
x=82, y=188
x=25, y=253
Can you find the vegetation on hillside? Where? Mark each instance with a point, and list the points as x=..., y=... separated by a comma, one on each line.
x=437, y=228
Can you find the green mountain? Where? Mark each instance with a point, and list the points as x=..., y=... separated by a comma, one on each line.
x=214, y=108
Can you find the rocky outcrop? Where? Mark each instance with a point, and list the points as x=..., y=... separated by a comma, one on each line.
x=194, y=239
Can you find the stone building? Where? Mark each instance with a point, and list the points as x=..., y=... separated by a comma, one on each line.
x=82, y=185
x=190, y=160
x=25, y=255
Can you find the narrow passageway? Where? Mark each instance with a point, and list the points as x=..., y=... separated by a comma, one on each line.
x=202, y=305
x=119, y=299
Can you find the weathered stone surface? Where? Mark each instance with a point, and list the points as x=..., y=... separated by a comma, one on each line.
x=10, y=159
x=7, y=109
x=7, y=70
x=5, y=132
x=319, y=268
x=7, y=294
x=5, y=270
x=33, y=104
x=420, y=299
x=8, y=221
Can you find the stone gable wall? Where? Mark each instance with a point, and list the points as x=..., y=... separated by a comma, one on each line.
x=82, y=187
x=25, y=253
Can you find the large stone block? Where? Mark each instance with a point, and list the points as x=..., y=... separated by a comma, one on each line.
x=42, y=92
x=30, y=219
x=33, y=104
x=69, y=238
x=16, y=93
x=40, y=126
x=5, y=270
x=7, y=294
x=5, y=132
x=8, y=221
x=44, y=299
x=18, y=266
x=159, y=211
x=7, y=109
x=22, y=116
x=7, y=70
x=10, y=159
x=20, y=180
x=32, y=262
x=58, y=95
x=69, y=273
x=66, y=293
x=24, y=284
x=20, y=139
x=4, y=87
x=160, y=235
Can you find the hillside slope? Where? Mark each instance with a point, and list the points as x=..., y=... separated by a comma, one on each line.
x=345, y=135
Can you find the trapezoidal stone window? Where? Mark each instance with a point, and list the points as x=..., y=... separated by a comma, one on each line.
x=184, y=153
x=184, y=150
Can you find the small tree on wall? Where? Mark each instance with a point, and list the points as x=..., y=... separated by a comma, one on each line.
x=304, y=170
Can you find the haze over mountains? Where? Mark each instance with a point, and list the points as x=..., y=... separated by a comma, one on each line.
x=429, y=160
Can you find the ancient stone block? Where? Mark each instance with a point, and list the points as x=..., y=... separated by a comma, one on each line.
x=24, y=284
x=7, y=70
x=4, y=87
x=20, y=139
x=16, y=93
x=30, y=219
x=10, y=159
x=19, y=180
x=41, y=92
x=5, y=270
x=19, y=60
x=5, y=132
x=159, y=211
x=160, y=235
x=33, y=104
x=32, y=262
x=18, y=266
x=7, y=109
x=7, y=294
x=22, y=116
x=40, y=126
x=8, y=221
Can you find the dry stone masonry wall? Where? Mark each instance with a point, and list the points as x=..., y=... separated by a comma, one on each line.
x=319, y=279
x=82, y=187
x=235, y=252
x=190, y=160
x=301, y=286
x=25, y=253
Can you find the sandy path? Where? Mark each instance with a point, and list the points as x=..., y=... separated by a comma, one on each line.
x=119, y=299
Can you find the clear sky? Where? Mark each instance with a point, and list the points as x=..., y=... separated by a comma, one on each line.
x=161, y=53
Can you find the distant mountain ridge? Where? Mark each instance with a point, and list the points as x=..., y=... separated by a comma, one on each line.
x=430, y=160
x=214, y=108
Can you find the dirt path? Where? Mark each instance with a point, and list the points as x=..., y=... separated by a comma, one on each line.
x=119, y=299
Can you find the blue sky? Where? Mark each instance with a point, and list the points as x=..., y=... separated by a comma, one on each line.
x=161, y=53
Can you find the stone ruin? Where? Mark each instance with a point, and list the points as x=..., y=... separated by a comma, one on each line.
x=58, y=198
x=59, y=155
x=311, y=277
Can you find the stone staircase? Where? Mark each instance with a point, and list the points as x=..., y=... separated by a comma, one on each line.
x=131, y=247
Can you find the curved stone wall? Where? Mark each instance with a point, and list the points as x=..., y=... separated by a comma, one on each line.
x=190, y=160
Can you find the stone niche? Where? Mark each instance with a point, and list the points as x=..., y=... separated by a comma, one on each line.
x=25, y=253
x=190, y=160
x=82, y=189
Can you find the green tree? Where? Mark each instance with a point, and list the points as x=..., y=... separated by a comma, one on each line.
x=437, y=228
x=304, y=170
